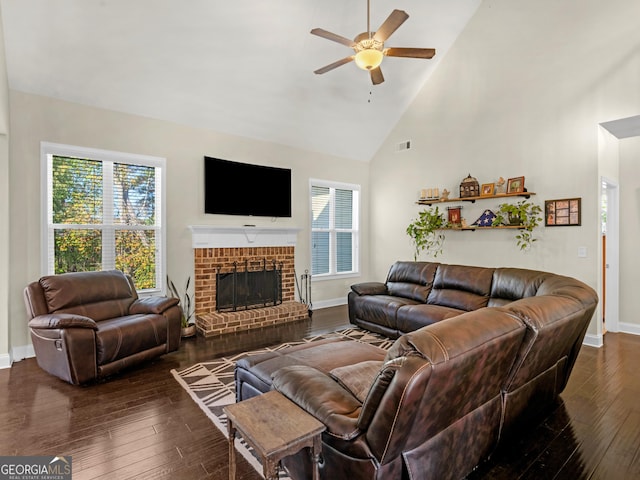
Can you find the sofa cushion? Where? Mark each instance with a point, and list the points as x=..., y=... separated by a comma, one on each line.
x=379, y=309
x=411, y=280
x=357, y=378
x=122, y=337
x=511, y=284
x=461, y=287
x=413, y=317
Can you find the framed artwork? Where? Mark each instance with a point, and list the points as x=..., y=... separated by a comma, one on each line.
x=454, y=215
x=565, y=212
x=515, y=185
x=487, y=189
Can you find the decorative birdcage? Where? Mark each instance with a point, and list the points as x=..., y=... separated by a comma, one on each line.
x=469, y=187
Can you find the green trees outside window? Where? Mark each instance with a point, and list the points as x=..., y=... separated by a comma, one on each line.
x=102, y=215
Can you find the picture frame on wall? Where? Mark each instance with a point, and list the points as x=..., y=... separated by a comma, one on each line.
x=565, y=212
x=487, y=189
x=515, y=185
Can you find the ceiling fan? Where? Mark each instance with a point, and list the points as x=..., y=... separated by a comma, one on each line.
x=369, y=47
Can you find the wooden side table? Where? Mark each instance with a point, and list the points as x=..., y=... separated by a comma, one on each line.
x=275, y=427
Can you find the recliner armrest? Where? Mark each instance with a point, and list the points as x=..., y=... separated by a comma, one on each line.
x=322, y=397
x=370, y=288
x=156, y=304
x=62, y=320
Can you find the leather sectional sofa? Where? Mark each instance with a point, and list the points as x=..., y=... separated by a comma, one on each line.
x=479, y=352
x=88, y=325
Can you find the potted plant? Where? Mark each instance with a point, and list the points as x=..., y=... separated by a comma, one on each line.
x=523, y=214
x=186, y=305
x=426, y=232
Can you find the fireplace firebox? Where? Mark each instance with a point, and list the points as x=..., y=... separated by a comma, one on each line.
x=246, y=287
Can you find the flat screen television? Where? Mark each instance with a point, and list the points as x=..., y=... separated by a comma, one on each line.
x=234, y=188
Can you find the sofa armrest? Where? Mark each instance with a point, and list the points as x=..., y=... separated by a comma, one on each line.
x=156, y=304
x=62, y=320
x=370, y=288
x=322, y=397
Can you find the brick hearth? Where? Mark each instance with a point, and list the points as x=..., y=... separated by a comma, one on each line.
x=210, y=261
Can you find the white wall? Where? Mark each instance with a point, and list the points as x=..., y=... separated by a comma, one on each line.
x=4, y=208
x=35, y=119
x=521, y=93
x=629, y=233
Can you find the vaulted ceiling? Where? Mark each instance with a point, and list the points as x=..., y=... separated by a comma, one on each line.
x=243, y=67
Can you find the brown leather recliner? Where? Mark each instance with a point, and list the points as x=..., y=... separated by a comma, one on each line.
x=88, y=325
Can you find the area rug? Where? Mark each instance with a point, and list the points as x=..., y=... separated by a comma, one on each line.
x=211, y=384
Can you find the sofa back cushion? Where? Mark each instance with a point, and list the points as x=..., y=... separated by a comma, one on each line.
x=461, y=287
x=411, y=280
x=510, y=284
x=97, y=295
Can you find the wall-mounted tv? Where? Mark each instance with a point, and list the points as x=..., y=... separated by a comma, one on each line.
x=234, y=188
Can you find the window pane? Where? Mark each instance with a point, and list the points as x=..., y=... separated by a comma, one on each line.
x=320, y=207
x=136, y=256
x=77, y=250
x=344, y=208
x=77, y=191
x=344, y=251
x=134, y=195
x=319, y=253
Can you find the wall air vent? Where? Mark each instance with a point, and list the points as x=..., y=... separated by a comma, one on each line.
x=403, y=146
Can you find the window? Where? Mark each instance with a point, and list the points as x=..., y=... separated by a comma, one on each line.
x=334, y=229
x=103, y=210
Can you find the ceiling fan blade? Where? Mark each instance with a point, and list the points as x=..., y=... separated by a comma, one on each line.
x=410, y=52
x=333, y=37
x=376, y=76
x=390, y=25
x=333, y=65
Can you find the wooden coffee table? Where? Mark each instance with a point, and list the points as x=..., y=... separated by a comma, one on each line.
x=275, y=427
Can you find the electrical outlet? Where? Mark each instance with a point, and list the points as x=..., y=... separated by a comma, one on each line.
x=582, y=252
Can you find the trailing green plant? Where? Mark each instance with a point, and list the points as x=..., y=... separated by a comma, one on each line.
x=426, y=232
x=186, y=301
x=524, y=214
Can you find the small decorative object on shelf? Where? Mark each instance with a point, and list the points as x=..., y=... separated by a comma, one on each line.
x=488, y=189
x=445, y=195
x=455, y=217
x=429, y=194
x=469, y=187
x=486, y=219
x=500, y=187
x=515, y=185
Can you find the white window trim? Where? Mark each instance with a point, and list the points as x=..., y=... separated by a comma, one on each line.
x=48, y=149
x=356, y=212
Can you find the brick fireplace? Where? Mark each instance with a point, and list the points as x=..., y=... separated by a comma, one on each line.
x=220, y=250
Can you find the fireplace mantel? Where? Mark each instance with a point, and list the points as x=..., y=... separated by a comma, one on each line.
x=210, y=236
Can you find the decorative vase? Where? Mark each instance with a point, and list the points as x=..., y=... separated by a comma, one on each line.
x=188, y=331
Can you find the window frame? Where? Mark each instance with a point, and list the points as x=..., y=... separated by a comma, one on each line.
x=48, y=150
x=333, y=274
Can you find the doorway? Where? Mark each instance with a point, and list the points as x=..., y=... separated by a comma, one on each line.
x=609, y=229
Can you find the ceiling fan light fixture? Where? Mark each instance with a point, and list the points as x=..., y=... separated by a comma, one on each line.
x=369, y=58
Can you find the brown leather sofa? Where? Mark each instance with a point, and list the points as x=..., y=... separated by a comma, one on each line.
x=89, y=325
x=479, y=362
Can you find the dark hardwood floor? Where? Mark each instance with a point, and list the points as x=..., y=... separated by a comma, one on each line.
x=141, y=424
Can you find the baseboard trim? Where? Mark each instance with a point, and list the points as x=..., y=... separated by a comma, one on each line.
x=333, y=302
x=631, y=328
x=593, y=340
x=5, y=360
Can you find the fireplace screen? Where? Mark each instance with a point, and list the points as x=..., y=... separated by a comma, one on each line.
x=243, y=289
